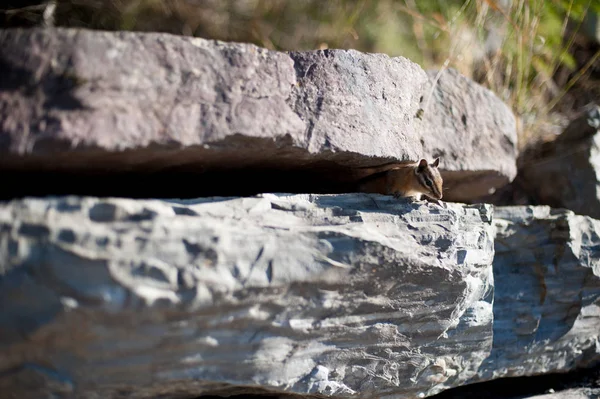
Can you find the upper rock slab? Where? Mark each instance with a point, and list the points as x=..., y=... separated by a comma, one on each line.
x=126, y=91
x=473, y=131
x=81, y=101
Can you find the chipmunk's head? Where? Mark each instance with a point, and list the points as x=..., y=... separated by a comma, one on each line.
x=429, y=178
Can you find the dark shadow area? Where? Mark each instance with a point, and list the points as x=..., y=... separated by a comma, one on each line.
x=168, y=184
x=195, y=172
x=505, y=388
x=241, y=167
x=184, y=182
x=248, y=167
x=523, y=387
x=274, y=396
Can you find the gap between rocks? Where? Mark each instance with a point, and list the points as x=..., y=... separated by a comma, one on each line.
x=173, y=174
x=244, y=168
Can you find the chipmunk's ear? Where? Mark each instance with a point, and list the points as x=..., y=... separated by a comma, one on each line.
x=436, y=163
x=422, y=165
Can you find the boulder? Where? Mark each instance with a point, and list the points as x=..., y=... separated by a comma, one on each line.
x=142, y=98
x=565, y=173
x=474, y=133
x=547, y=293
x=334, y=295
x=79, y=101
x=138, y=109
x=115, y=91
x=342, y=296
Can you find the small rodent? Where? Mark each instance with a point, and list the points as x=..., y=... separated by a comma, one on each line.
x=406, y=180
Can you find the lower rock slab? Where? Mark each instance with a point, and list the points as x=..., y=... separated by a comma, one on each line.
x=335, y=295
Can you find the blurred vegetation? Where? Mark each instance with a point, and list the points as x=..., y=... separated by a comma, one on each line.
x=530, y=52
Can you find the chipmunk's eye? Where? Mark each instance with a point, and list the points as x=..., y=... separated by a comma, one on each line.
x=429, y=183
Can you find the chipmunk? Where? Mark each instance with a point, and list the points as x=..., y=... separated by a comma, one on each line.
x=406, y=180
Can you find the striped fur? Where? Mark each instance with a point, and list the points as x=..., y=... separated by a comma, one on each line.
x=406, y=180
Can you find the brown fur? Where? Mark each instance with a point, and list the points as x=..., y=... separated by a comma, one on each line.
x=407, y=180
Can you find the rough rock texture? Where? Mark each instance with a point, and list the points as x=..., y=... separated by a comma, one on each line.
x=350, y=102
x=114, y=91
x=82, y=101
x=547, y=293
x=565, y=173
x=350, y=295
x=344, y=296
x=473, y=132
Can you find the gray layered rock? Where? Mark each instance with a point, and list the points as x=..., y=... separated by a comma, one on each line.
x=342, y=296
x=547, y=293
x=473, y=131
x=565, y=173
x=82, y=101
